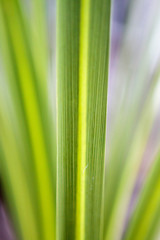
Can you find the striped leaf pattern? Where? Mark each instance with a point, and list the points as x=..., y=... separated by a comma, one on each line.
x=82, y=66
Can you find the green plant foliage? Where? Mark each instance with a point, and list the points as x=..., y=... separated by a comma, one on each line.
x=27, y=133
x=145, y=219
x=57, y=183
x=82, y=58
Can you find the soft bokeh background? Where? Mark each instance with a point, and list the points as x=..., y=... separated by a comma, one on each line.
x=133, y=125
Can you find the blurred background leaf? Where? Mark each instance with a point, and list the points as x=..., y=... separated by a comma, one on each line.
x=133, y=128
x=27, y=134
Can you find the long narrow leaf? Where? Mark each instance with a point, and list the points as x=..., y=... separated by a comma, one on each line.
x=82, y=68
x=146, y=217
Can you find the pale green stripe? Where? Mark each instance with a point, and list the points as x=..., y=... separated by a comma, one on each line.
x=82, y=124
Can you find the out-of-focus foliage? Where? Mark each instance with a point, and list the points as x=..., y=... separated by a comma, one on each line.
x=129, y=206
x=27, y=134
x=133, y=127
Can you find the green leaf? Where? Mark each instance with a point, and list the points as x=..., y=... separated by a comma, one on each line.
x=82, y=72
x=27, y=134
x=145, y=219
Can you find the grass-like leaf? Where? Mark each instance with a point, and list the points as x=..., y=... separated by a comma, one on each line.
x=26, y=126
x=145, y=219
x=82, y=58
